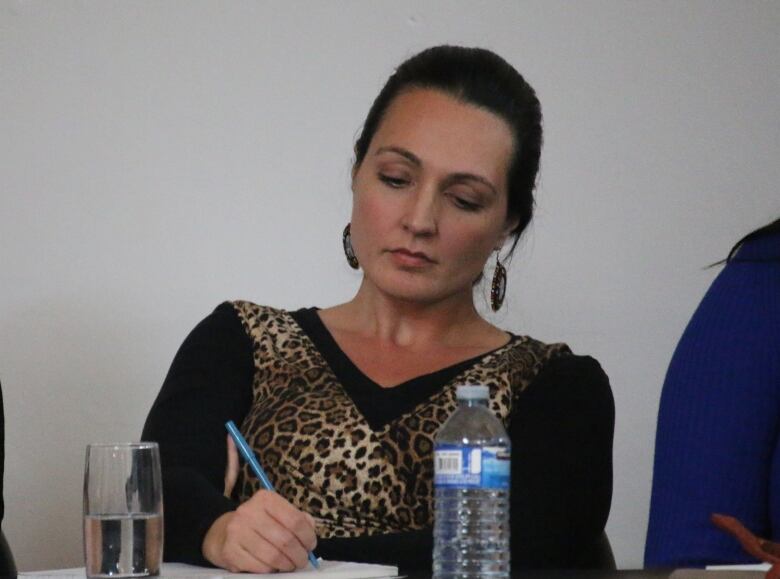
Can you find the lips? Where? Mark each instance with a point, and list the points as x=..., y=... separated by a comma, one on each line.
x=407, y=257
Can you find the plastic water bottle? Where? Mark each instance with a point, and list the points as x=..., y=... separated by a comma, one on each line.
x=471, y=481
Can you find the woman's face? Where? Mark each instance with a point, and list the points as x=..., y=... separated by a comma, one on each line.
x=430, y=196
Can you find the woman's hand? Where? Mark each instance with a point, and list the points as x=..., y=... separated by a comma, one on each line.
x=264, y=534
x=231, y=469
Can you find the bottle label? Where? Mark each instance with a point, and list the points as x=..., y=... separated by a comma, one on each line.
x=485, y=467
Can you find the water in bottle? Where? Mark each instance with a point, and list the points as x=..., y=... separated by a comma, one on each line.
x=471, y=481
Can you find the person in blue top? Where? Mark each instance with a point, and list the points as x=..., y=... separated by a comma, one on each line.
x=717, y=444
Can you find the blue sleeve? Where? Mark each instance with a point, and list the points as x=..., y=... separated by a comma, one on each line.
x=717, y=439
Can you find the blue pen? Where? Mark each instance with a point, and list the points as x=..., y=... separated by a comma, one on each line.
x=251, y=460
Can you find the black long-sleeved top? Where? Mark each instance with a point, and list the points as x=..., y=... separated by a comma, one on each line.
x=560, y=420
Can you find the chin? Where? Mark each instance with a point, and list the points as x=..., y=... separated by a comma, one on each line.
x=422, y=292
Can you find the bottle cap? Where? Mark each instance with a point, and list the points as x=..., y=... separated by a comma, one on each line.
x=473, y=392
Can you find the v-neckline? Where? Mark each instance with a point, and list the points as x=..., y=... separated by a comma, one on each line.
x=378, y=404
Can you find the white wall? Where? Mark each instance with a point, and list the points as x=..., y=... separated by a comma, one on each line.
x=159, y=157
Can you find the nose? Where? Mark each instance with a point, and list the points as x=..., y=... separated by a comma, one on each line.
x=421, y=215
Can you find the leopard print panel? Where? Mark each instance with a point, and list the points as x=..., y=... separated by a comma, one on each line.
x=321, y=454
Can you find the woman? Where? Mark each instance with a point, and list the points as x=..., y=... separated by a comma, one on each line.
x=718, y=438
x=342, y=404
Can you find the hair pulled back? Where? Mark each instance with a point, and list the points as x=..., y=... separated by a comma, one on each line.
x=769, y=229
x=478, y=77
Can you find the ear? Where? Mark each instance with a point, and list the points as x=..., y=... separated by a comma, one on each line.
x=509, y=227
x=353, y=174
x=355, y=164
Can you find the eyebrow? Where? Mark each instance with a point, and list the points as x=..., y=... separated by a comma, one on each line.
x=400, y=151
x=454, y=177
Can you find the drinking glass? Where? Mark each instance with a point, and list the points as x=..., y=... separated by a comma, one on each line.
x=123, y=510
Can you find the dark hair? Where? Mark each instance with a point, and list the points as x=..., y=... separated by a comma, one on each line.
x=769, y=229
x=481, y=78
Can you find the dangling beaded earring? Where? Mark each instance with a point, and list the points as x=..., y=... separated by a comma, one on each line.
x=498, y=287
x=346, y=240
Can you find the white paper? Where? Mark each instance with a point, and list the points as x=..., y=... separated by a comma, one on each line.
x=744, y=567
x=327, y=570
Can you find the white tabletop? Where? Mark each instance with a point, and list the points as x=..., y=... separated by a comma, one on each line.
x=327, y=570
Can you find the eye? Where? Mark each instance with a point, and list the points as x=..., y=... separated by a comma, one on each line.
x=393, y=181
x=465, y=204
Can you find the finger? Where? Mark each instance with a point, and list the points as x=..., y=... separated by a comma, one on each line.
x=291, y=518
x=248, y=547
x=747, y=539
x=300, y=525
x=231, y=470
x=287, y=544
x=267, y=552
x=241, y=559
x=282, y=524
x=263, y=536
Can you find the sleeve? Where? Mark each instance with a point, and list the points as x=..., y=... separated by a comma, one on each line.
x=209, y=383
x=411, y=551
x=717, y=438
x=561, y=433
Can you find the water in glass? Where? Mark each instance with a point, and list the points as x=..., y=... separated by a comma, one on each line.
x=123, y=515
